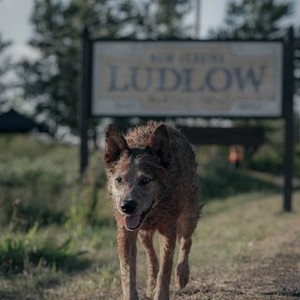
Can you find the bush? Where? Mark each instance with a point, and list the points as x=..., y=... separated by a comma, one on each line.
x=219, y=179
x=268, y=159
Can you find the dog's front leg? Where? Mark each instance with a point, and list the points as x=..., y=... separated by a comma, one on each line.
x=127, y=256
x=146, y=238
x=167, y=247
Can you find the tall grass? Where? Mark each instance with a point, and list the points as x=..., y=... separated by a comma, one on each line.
x=40, y=192
x=20, y=252
x=39, y=177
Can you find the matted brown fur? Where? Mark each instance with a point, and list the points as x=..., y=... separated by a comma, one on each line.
x=153, y=184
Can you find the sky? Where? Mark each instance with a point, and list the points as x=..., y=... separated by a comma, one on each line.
x=15, y=22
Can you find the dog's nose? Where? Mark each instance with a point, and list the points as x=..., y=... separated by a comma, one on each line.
x=129, y=207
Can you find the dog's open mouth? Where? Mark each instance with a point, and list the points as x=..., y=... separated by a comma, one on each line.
x=134, y=222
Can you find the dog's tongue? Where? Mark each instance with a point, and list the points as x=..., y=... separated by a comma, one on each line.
x=132, y=221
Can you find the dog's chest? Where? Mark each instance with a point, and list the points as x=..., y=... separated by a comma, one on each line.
x=165, y=214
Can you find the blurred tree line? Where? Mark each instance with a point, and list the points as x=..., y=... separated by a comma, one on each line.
x=254, y=19
x=51, y=82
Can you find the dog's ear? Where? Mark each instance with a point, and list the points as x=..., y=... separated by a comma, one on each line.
x=160, y=146
x=115, y=144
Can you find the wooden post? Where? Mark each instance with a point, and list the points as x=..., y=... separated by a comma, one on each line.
x=289, y=141
x=85, y=98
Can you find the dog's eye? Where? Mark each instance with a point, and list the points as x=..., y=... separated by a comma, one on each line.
x=119, y=180
x=145, y=180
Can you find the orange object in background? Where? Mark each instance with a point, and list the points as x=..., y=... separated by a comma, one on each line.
x=236, y=155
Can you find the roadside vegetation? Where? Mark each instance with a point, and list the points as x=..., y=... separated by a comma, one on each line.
x=58, y=234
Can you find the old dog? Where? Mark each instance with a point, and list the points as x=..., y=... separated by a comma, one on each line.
x=154, y=187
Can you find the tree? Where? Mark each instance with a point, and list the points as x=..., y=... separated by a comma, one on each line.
x=52, y=81
x=253, y=19
x=258, y=19
x=5, y=66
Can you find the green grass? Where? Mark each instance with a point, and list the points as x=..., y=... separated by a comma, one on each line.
x=18, y=252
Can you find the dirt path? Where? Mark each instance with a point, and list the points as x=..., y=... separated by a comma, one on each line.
x=269, y=279
x=276, y=278
x=270, y=270
x=274, y=179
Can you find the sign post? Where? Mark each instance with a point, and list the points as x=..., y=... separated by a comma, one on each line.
x=289, y=132
x=85, y=98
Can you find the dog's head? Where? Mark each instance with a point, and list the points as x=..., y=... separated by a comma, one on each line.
x=137, y=175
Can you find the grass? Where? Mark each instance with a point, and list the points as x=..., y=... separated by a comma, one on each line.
x=18, y=252
x=235, y=236
x=58, y=234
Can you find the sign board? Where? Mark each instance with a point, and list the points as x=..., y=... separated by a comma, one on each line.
x=187, y=78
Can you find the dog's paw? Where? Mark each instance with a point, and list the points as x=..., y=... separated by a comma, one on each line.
x=182, y=274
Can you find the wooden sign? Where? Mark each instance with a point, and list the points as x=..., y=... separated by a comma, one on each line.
x=172, y=78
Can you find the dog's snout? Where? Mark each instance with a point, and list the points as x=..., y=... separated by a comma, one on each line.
x=129, y=207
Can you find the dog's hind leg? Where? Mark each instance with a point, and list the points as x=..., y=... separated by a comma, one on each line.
x=127, y=256
x=146, y=238
x=186, y=225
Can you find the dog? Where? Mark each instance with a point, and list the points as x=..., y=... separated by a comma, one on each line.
x=154, y=186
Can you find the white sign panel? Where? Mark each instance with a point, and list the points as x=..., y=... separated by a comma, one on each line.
x=171, y=78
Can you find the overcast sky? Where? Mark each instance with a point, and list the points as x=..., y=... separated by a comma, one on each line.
x=15, y=21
